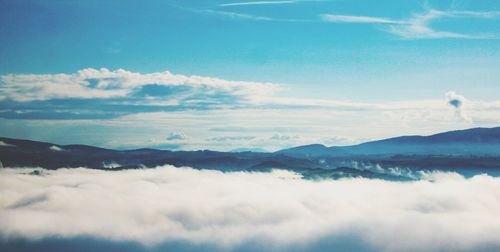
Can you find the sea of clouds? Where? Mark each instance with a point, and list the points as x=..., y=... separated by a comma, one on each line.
x=278, y=210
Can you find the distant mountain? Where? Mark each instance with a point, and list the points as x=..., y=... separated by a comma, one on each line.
x=15, y=152
x=472, y=151
x=476, y=141
x=307, y=150
x=249, y=150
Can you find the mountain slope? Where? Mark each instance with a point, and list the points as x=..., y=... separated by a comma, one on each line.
x=467, y=149
x=476, y=141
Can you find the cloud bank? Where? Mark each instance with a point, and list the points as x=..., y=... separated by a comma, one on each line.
x=103, y=93
x=279, y=210
x=104, y=83
x=149, y=106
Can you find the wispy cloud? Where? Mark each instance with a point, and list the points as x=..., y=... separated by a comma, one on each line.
x=235, y=15
x=419, y=25
x=250, y=17
x=357, y=19
x=277, y=2
x=257, y=3
x=225, y=14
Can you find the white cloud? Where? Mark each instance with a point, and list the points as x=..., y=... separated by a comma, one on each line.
x=282, y=137
x=458, y=102
x=104, y=83
x=313, y=121
x=252, y=109
x=356, y=19
x=257, y=3
x=56, y=148
x=2, y=143
x=277, y=2
x=455, y=100
x=231, y=138
x=176, y=136
x=235, y=15
x=110, y=165
x=479, y=14
x=152, y=206
x=419, y=25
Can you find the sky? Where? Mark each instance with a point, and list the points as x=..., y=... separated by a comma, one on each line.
x=246, y=75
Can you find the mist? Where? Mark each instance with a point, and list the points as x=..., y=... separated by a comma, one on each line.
x=226, y=211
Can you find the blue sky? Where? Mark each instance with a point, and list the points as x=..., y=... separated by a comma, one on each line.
x=274, y=74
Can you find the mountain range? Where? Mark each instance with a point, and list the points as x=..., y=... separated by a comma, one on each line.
x=476, y=149
x=476, y=141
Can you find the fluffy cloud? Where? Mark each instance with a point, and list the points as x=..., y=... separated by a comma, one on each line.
x=92, y=94
x=208, y=113
x=457, y=102
x=176, y=136
x=105, y=94
x=152, y=206
x=454, y=99
x=104, y=83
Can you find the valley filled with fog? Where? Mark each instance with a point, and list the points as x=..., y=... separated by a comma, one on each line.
x=169, y=208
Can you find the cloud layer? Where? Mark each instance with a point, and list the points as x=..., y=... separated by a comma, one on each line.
x=104, y=93
x=123, y=109
x=105, y=83
x=279, y=209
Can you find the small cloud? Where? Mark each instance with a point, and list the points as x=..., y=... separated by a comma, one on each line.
x=176, y=136
x=110, y=165
x=280, y=137
x=454, y=99
x=56, y=148
x=457, y=102
x=231, y=138
x=2, y=143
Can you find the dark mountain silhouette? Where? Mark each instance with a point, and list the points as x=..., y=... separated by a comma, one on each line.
x=474, y=149
x=476, y=141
